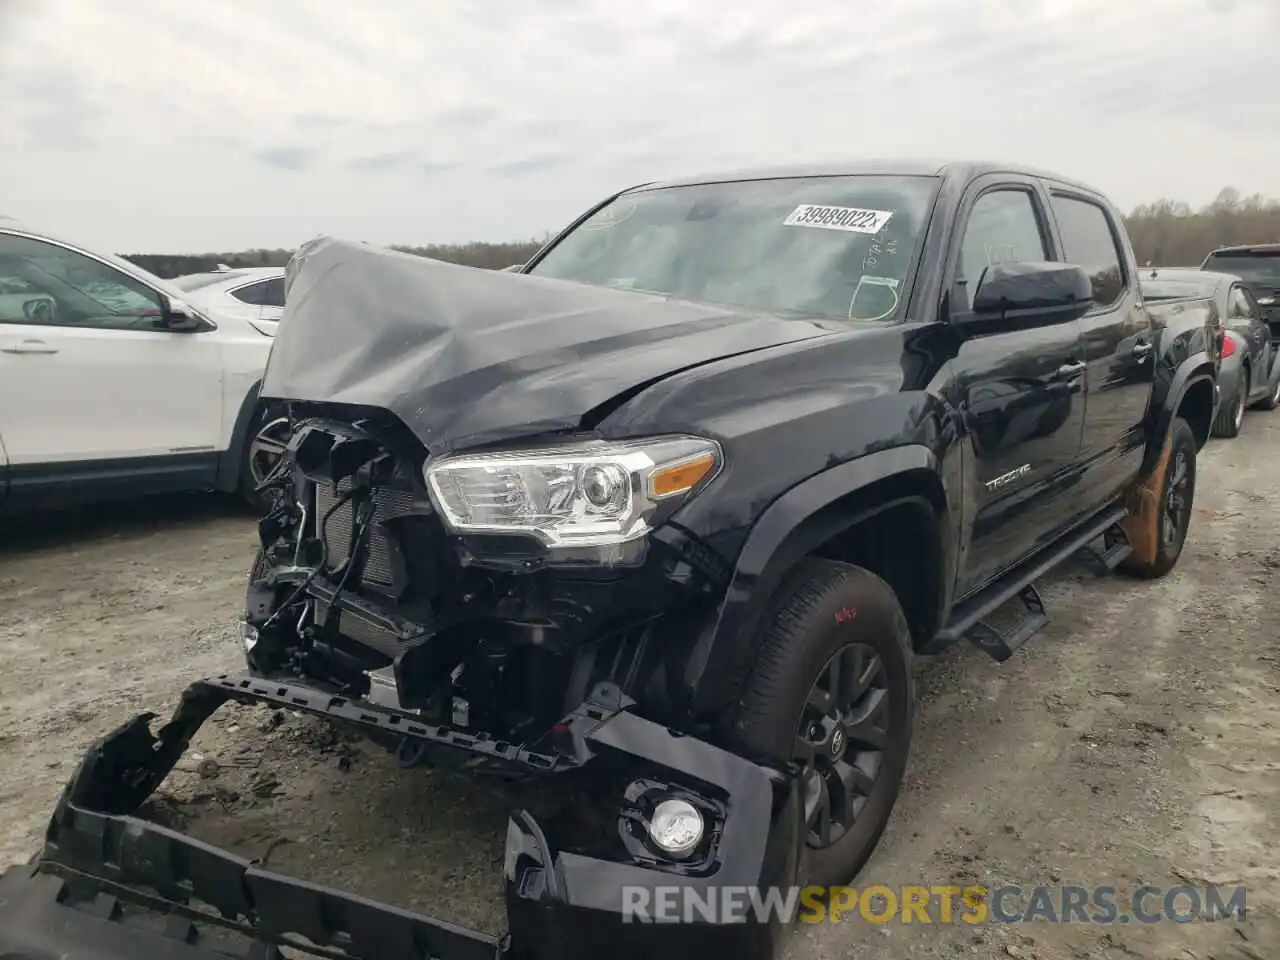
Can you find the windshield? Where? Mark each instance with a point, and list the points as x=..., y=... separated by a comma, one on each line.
x=830, y=247
x=1255, y=267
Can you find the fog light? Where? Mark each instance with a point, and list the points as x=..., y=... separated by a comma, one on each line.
x=248, y=636
x=676, y=827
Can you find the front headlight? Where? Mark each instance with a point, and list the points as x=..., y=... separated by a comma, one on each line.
x=1266, y=301
x=595, y=493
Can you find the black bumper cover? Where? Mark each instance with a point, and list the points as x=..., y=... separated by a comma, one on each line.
x=109, y=885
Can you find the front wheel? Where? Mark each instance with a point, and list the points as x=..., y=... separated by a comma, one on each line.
x=832, y=689
x=268, y=438
x=1160, y=509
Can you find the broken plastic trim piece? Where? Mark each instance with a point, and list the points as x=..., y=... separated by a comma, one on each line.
x=100, y=857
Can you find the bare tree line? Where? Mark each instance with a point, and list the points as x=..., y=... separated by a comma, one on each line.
x=1164, y=233
x=1169, y=233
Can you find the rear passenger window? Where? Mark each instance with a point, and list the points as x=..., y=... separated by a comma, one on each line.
x=1088, y=241
x=273, y=293
x=252, y=293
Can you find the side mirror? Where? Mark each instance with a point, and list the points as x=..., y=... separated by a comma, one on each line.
x=1039, y=292
x=38, y=310
x=177, y=316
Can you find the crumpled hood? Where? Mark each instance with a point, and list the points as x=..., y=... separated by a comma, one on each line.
x=464, y=356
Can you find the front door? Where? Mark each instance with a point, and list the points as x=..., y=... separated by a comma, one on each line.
x=1118, y=344
x=1019, y=392
x=86, y=373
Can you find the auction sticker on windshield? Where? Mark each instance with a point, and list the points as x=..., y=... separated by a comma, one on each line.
x=852, y=219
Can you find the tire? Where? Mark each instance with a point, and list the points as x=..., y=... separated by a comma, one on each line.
x=1167, y=495
x=1273, y=398
x=827, y=609
x=254, y=464
x=1231, y=415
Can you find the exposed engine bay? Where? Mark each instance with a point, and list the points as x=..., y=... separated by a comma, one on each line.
x=371, y=583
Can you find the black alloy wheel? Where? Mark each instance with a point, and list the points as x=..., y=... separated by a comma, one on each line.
x=843, y=733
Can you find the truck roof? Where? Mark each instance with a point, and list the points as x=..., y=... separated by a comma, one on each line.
x=903, y=166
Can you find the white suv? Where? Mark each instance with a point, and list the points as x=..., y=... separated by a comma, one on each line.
x=111, y=385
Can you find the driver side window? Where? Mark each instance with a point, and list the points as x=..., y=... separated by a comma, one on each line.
x=47, y=285
x=1003, y=228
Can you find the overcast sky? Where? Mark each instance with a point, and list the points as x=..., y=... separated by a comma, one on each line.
x=165, y=126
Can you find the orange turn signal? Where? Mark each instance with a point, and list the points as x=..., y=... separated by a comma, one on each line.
x=681, y=477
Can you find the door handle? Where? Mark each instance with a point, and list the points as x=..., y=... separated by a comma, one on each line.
x=1069, y=370
x=29, y=346
x=1141, y=351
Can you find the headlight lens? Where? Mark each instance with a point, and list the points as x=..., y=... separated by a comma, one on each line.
x=594, y=493
x=1266, y=301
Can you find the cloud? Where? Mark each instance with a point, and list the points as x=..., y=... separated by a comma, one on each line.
x=535, y=163
x=397, y=122
x=286, y=158
x=381, y=161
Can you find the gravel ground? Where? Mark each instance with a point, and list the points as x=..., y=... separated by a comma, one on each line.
x=1135, y=740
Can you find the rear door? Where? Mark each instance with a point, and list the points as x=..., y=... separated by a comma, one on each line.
x=1117, y=337
x=1019, y=391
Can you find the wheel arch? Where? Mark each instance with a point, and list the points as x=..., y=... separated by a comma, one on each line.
x=228, y=478
x=839, y=514
x=1192, y=395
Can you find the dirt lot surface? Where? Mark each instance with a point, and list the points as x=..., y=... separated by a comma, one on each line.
x=1135, y=741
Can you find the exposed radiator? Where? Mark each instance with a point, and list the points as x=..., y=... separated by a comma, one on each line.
x=388, y=504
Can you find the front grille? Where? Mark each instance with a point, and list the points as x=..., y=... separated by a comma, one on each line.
x=388, y=504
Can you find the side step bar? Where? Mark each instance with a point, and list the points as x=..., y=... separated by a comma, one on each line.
x=969, y=618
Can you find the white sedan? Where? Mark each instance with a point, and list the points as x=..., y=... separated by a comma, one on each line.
x=113, y=384
x=254, y=293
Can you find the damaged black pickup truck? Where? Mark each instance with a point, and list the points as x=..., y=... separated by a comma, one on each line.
x=673, y=507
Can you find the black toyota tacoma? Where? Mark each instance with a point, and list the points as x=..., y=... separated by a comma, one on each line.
x=674, y=506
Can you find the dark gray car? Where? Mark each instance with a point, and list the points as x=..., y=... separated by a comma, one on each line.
x=1250, y=370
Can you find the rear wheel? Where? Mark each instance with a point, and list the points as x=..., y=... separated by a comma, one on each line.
x=832, y=689
x=1160, y=511
x=1273, y=398
x=1231, y=415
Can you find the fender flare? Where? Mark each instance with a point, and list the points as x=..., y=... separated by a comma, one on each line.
x=790, y=528
x=1194, y=369
x=228, y=479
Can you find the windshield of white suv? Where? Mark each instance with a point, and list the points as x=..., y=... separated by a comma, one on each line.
x=829, y=247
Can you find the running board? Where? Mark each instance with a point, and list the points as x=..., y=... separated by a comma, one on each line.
x=969, y=618
x=1115, y=549
x=1002, y=644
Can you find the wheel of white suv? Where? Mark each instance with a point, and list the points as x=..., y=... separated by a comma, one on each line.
x=264, y=449
x=832, y=688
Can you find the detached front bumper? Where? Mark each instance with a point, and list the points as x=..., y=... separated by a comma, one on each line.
x=109, y=885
